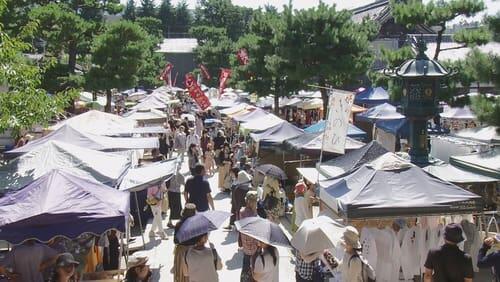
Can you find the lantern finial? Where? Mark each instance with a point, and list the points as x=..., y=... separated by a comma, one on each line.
x=421, y=48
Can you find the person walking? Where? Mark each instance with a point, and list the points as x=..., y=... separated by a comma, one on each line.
x=247, y=243
x=193, y=157
x=353, y=267
x=197, y=190
x=192, y=138
x=202, y=263
x=180, y=143
x=178, y=270
x=209, y=158
x=155, y=195
x=489, y=256
x=265, y=263
x=224, y=167
x=449, y=263
x=241, y=186
x=174, y=196
x=300, y=205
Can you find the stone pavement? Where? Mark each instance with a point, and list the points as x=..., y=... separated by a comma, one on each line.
x=160, y=252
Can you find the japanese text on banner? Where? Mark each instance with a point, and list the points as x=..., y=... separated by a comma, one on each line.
x=339, y=110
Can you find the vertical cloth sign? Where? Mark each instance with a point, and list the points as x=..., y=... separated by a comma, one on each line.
x=195, y=92
x=339, y=109
x=166, y=74
x=204, y=72
x=242, y=56
x=225, y=74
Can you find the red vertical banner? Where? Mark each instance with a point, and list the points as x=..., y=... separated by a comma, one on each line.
x=166, y=74
x=195, y=92
x=225, y=74
x=204, y=72
x=242, y=56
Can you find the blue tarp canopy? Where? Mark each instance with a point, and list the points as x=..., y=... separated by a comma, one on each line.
x=352, y=131
x=381, y=112
x=399, y=127
x=372, y=97
x=391, y=187
x=277, y=134
x=62, y=204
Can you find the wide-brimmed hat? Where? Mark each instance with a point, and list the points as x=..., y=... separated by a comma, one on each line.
x=453, y=233
x=300, y=188
x=136, y=261
x=251, y=196
x=189, y=210
x=351, y=237
x=66, y=259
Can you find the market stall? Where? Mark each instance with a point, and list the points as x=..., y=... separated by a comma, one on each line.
x=107, y=168
x=71, y=135
x=487, y=134
x=260, y=124
x=370, y=97
x=146, y=116
x=352, y=131
x=276, y=134
x=97, y=122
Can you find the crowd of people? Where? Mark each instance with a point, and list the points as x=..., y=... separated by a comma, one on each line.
x=218, y=149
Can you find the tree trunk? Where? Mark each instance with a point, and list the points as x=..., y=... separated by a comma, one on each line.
x=438, y=41
x=324, y=96
x=72, y=52
x=277, y=104
x=107, y=109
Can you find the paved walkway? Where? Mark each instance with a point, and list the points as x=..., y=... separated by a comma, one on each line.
x=160, y=252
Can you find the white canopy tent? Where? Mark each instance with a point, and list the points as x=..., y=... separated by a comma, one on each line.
x=71, y=135
x=107, y=168
x=98, y=123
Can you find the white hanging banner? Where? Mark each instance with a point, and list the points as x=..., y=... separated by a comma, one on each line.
x=339, y=110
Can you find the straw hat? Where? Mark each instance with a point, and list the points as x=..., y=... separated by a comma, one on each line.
x=251, y=196
x=136, y=261
x=189, y=210
x=351, y=237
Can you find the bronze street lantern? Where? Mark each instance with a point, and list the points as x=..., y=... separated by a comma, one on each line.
x=419, y=102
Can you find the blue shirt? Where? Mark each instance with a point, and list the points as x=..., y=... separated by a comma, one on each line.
x=198, y=188
x=491, y=260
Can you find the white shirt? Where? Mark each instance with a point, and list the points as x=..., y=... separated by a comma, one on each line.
x=351, y=269
x=300, y=206
x=387, y=268
x=266, y=271
x=410, y=253
x=192, y=139
x=369, y=246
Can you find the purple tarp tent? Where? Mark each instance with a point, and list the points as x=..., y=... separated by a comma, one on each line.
x=62, y=204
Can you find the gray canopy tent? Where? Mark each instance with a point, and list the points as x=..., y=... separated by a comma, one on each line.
x=392, y=187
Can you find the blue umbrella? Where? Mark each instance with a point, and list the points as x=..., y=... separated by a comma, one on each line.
x=263, y=230
x=201, y=223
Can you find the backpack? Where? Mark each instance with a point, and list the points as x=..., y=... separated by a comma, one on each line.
x=367, y=271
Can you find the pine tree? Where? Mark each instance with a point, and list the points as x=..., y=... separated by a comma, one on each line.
x=166, y=15
x=147, y=9
x=129, y=13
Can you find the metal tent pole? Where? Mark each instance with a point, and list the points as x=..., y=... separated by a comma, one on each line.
x=140, y=221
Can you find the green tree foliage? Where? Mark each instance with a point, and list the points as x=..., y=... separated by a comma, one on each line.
x=327, y=48
x=23, y=104
x=147, y=9
x=267, y=70
x=214, y=50
x=493, y=23
x=223, y=14
x=117, y=56
x=166, y=14
x=437, y=13
x=183, y=18
x=152, y=26
x=487, y=110
x=129, y=13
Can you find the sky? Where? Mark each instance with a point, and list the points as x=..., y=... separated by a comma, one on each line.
x=493, y=6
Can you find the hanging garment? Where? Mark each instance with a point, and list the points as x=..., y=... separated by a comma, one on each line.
x=387, y=267
x=395, y=255
x=369, y=246
x=473, y=242
x=410, y=255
